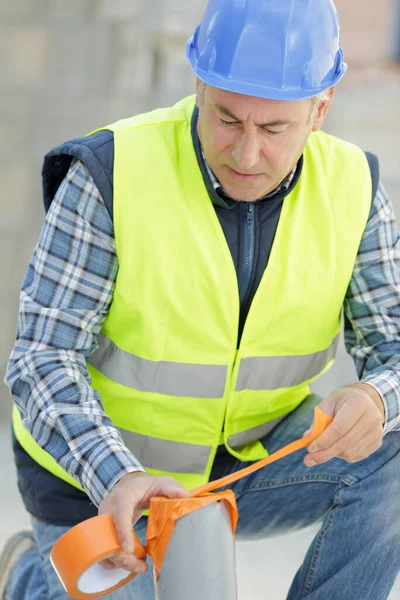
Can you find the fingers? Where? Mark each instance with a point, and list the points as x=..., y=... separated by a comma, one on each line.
x=363, y=453
x=308, y=432
x=122, y=503
x=351, y=445
x=170, y=488
x=345, y=419
x=123, y=520
x=355, y=432
x=107, y=564
x=129, y=562
x=126, y=503
x=129, y=503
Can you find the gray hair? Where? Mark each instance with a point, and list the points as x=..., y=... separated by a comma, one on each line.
x=316, y=102
x=202, y=91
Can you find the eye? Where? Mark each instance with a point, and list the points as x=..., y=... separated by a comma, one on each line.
x=228, y=123
x=270, y=132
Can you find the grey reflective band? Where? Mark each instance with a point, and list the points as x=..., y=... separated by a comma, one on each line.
x=255, y=433
x=275, y=372
x=164, y=455
x=170, y=378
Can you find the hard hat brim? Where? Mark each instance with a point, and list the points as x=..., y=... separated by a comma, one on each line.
x=259, y=91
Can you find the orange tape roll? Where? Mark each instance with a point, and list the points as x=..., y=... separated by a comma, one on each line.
x=75, y=557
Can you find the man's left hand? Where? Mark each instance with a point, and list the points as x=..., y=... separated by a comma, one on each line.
x=356, y=430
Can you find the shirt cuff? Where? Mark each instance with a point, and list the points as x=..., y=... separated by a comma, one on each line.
x=388, y=388
x=105, y=466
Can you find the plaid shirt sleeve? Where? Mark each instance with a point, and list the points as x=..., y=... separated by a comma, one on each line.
x=372, y=308
x=64, y=300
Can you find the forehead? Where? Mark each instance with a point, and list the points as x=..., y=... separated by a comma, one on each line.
x=258, y=110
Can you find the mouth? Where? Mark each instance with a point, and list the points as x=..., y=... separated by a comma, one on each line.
x=243, y=176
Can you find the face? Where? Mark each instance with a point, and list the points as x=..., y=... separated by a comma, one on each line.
x=251, y=144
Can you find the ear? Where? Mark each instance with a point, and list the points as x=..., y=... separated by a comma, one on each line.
x=323, y=111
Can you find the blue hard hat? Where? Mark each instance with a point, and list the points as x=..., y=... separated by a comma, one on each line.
x=277, y=49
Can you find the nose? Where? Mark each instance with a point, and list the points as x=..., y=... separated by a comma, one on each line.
x=246, y=152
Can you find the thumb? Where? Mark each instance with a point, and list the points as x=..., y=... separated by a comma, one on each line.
x=327, y=406
x=173, y=489
x=162, y=486
x=332, y=403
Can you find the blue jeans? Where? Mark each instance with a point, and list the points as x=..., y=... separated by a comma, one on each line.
x=354, y=555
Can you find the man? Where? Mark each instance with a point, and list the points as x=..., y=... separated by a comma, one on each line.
x=187, y=287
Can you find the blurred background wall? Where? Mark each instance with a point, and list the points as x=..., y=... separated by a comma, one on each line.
x=68, y=67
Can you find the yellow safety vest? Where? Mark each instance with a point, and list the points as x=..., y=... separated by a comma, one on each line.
x=167, y=367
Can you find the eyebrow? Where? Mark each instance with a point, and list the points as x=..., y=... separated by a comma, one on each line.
x=228, y=113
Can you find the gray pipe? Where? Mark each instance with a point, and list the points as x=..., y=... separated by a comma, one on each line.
x=397, y=38
x=199, y=563
x=394, y=32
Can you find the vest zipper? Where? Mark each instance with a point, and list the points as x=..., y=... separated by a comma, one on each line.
x=248, y=253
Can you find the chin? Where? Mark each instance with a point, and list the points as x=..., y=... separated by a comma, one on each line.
x=243, y=195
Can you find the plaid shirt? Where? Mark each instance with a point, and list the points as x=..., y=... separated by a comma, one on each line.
x=66, y=295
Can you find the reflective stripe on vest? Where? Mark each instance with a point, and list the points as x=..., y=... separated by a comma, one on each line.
x=171, y=378
x=255, y=433
x=275, y=372
x=206, y=381
x=164, y=455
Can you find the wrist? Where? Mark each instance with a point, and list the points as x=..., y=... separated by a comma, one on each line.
x=374, y=395
x=133, y=475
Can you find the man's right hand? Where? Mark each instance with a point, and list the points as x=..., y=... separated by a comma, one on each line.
x=126, y=502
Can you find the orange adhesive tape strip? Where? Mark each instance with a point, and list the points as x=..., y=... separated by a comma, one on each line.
x=164, y=512
x=321, y=422
x=75, y=557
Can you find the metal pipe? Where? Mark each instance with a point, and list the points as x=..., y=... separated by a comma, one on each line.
x=200, y=559
x=395, y=30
